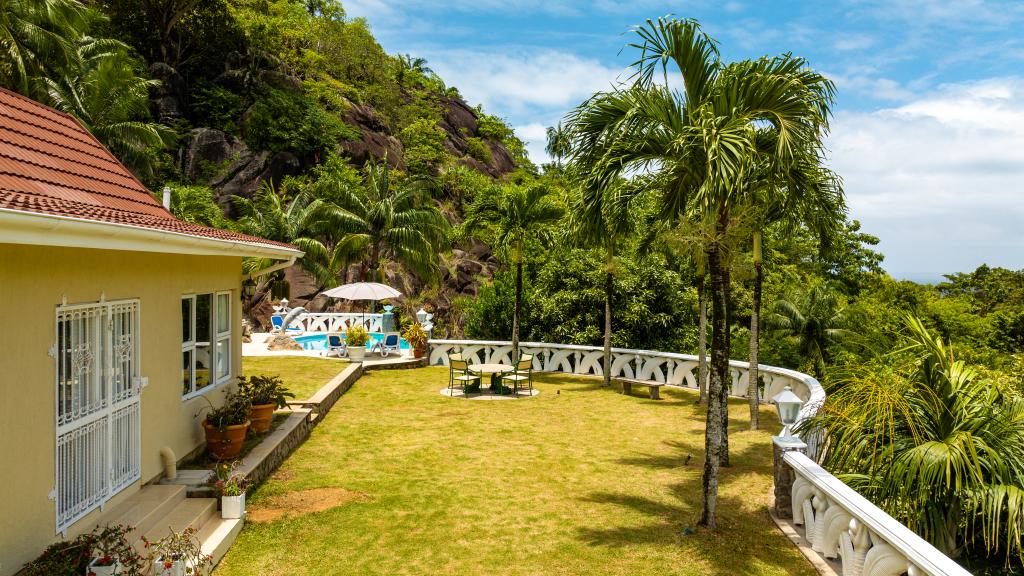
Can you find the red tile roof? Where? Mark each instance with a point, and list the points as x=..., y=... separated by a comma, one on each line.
x=50, y=164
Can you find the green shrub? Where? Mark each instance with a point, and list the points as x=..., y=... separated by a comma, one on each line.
x=217, y=107
x=424, y=145
x=479, y=150
x=285, y=120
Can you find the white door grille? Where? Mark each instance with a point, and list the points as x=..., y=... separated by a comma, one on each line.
x=98, y=418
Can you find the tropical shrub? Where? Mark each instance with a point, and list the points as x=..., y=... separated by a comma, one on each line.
x=356, y=336
x=938, y=447
x=262, y=390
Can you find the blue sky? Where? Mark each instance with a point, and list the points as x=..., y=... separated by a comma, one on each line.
x=929, y=125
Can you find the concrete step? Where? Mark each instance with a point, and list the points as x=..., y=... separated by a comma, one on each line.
x=194, y=512
x=217, y=536
x=145, y=508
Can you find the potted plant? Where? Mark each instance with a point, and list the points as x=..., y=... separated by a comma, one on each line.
x=231, y=488
x=266, y=394
x=416, y=336
x=356, y=337
x=177, y=554
x=112, y=553
x=226, y=426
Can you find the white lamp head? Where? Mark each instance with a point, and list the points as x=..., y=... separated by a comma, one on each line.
x=788, y=405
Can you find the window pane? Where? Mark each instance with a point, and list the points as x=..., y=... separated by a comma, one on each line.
x=186, y=371
x=203, y=302
x=203, y=366
x=223, y=358
x=186, y=319
x=223, y=313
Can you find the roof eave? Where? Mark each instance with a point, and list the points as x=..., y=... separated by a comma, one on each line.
x=20, y=227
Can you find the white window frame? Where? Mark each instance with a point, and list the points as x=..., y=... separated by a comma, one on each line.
x=216, y=336
x=117, y=413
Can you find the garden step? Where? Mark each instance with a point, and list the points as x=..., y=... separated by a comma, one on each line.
x=194, y=512
x=217, y=536
x=145, y=508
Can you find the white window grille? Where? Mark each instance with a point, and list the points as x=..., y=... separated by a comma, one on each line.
x=205, y=341
x=97, y=405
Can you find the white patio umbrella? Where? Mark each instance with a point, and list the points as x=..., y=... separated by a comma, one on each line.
x=363, y=291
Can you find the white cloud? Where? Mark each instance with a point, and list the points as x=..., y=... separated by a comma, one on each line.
x=519, y=84
x=939, y=179
x=536, y=137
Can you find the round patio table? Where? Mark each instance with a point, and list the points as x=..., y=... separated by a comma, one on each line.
x=495, y=370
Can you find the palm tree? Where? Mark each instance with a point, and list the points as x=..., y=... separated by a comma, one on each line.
x=702, y=144
x=558, y=143
x=815, y=319
x=386, y=222
x=37, y=39
x=514, y=216
x=409, y=64
x=603, y=219
x=931, y=442
x=109, y=97
x=305, y=221
x=800, y=193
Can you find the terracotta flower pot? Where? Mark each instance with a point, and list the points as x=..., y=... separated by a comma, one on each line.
x=418, y=352
x=227, y=444
x=260, y=417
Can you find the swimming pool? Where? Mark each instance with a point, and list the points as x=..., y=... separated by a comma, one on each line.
x=319, y=341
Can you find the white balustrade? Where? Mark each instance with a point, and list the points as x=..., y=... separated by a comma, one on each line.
x=338, y=321
x=842, y=525
x=664, y=367
x=839, y=523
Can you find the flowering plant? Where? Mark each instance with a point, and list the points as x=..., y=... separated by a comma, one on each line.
x=178, y=547
x=227, y=483
x=112, y=545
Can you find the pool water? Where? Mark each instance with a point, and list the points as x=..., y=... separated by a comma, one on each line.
x=319, y=341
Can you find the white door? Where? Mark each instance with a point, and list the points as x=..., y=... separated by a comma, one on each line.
x=97, y=405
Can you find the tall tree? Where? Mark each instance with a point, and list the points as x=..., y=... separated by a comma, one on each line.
x=109, y=95
x=701, y=142
x=802, y=192
x=558, y=143
x=390, y=222
x=513, y=217
x=603, y=219
x=37, y=40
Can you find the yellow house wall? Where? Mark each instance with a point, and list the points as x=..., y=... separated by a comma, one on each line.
x=33, y=282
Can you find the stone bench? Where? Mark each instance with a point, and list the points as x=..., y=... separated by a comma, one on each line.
x=653, y=387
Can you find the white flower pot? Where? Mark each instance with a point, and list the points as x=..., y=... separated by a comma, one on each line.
x=232, y=506
x=357, y=353
x=177, y=568
x=94, y=570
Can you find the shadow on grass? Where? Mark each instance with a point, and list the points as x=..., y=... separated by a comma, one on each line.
x=738, y=546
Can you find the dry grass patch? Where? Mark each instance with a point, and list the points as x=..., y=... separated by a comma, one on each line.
x=302, y=502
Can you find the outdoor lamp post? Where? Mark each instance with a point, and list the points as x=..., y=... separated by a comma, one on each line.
x=421, y=316
x=788, y=405
x=248, y=288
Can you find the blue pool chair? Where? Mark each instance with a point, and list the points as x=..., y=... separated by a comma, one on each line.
x=387, y=344
x=336, y=344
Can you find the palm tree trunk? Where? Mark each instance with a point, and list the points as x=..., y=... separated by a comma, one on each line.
x=726, y=388
x=608, y=287
x=755, y=319
x=516, y=311
x=713, y=433
x=702, y=340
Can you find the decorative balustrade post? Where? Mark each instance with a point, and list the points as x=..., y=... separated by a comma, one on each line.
x=784, y=475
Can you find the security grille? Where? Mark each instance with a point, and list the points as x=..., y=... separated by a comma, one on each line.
x=98, y=419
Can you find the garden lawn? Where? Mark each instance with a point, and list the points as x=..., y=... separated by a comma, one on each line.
x=303, y=376
x=399, y=479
